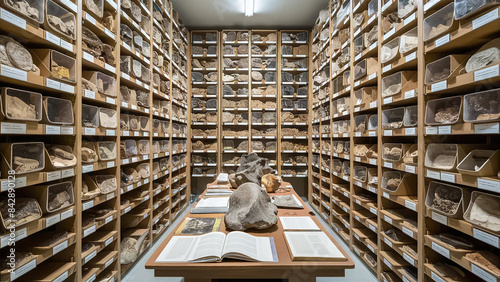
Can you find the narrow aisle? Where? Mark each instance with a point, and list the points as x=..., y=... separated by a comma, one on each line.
x=361, y=273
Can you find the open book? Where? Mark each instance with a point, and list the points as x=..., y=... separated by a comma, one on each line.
x=208, y=205
x=214, y=247
x=313, y=245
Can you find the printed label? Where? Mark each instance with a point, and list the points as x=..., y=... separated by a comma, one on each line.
x=486, y=73
x=448, y=177
x=441, y=250
x=487, y=128
x=59, y=247
x=444, y=130
x=442, y=40
x=52, y=220
x=13, y=128
x=14, y=73
x=440, y=218
x=13, y=19
x=485, y=19
x=53, y=175
x=439, y=86
x=485, y=237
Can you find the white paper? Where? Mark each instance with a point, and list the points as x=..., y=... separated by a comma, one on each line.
x=296, y=223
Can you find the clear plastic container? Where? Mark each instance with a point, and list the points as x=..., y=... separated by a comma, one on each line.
x=21, y=105
x=61, y=156
x=62, y=67
x=439, y=22
x=95, y=7
x=482, y=106
x=443, y=111
x=442, y=156
x=411, y=116
x=144, y=122
x=483, y=211
x=108, y=118
x=360, y=173
x=58, y=111
x=133, y=123
x=358, y=45
x=106, y=150
x=88, y=152
x=60, y=21
x=24, y=206
x=146, y=49
x=393, y=118
x=360, y=70
x=128, y=149
x=105, y=84
x=373, y=122
x=447, y=199
x=389, y=50
x=405, y=7
x=480, y=163
x=391, y=180
x=361, y=123
x=90, y=116
x=126, y=34
x=143, y=147
x=337, y=165
x=25, y=157
x=143, y=170
x=137, y=40
x=106, y=183
x=136, y=69
x=372, y=7
x=346, y=78
x=346, y=168
x=467, y=8
x=156, y=147
x=399, y=82
x=408, y=41
x=31, y=10
x=156, y=126
x=146, y=75
x=393, y=152
x=55, y=197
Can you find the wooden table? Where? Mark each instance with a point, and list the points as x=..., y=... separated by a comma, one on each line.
x=293, y=271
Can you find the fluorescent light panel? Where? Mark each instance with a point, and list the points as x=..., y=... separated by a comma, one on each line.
x=249, y=5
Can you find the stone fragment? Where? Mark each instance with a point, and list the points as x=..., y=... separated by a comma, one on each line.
x=485, y=212
x=23, y=165
x=92, y=6
x=286, y=201
x=24, y=7
x=454, y=241
x=61, y=156
x=483, y=59
x=19, y=56
x=18, y=109
x=128, y=250
x=271, y=182
x=107, y=184
x=26, y=210
x=256, y=76
x=230, y=36
x=243, y=49
x=447, y=114
x=250, y=207
x=67, y=28
x=58, y=200
x=487, y=260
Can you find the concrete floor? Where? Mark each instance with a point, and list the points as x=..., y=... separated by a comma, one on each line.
x=361, y=273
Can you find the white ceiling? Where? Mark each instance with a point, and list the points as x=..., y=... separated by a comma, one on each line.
x=230, y=14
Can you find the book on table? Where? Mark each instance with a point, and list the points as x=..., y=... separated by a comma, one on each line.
x=312, y=246
x=216, y=246
x=297, y=223
x=199, y=225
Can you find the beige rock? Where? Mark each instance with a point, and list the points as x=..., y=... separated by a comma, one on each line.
x=271, y=182
x=23, y=165
x=61, y=156
x=18, y=109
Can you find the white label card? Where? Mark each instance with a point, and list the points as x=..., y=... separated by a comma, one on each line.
x=441, y=250
x=442, y=40
x=13, y=19
x=14, y=73
x=13, y=128
x=485, y=19
x=486, y=73
x=487, y=128
x=440, y=218
x=439, y=86
x=485, y=237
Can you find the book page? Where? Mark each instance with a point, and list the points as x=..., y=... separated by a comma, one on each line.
x=209, y=245
x=191, y=248
x=215, y=202
x=254, y=248
x=298, y=223
x=311, y=245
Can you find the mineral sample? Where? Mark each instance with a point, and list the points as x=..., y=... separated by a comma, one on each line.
x=26, y=210
x=24, y=7
x=286, y=201
x=271, y=182
x=59, y=198
x=18, y=109
x=24, y=165
x=483, y=59
x=250, y=207
x=129, y=249
x=485, y=212
x=65, y=27
x=251, y=169
x=61, y=156
x=487, y=260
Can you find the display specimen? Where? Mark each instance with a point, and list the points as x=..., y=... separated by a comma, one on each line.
x=250, y=207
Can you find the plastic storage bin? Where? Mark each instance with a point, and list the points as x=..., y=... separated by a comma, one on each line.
x=393, y=118
x=480, y=163
x=443, y=111
x=408, y=41
x=439, y=22
x=399, y=82
x=128, y=149
x=21, y=105
x=58, y=111
x=55, y=65
x=446, y=199
x=361, y=123
x=405, y=7
x=108, y=118
x=486, y=205
x=35, y=15
x=106, y=150
x=410, y=118
x=24, y=206
x=90, y=116
x=389, y=50
x=60, y=21
x=467, y=8
x=443, y=156
x=95, y=7
x=444, y=68
x=393, y=152
x=482, y=106
x=55, y=197
x=143, y=147
x=24, y=157
x=373, y=122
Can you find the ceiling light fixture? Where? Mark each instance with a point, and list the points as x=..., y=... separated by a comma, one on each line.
x=249, y=5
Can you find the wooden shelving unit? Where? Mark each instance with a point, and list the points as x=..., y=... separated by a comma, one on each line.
x=156, y=140
x=360, y=210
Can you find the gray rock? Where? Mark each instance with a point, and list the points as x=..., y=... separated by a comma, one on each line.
x=270, y=77
x=211, y=37
x=256, y=49
x=286, y=50
x=197, y=76
x=256, y=76
x=242, y=63
x=286, y=201
x=303, y=91
x=228, y=50
x=227, y=90
x=251, y=169
x=212, y=90
x=256, y=63
x=212, y=50
x=303, y=77
x=228, y=63
x=271, y=63
x=286, y=77
x=302, y=36
x=288, y=90
x=271, y=50
x=197, y=37
x=250, y=207
x=242, y=36
x=285, y=37
x=242, y=92
x=243, y=49
x=230, y=36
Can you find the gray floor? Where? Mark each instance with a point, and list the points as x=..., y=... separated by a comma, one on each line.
x=138, y=273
